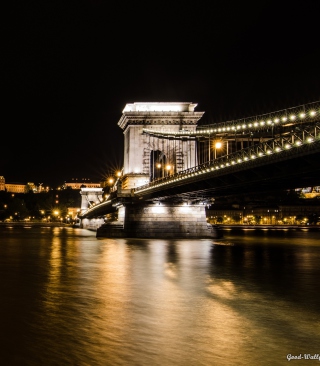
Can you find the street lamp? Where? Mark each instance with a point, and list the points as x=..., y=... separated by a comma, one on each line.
x=159, y=173
x=56, y=213
x=169, y=168
x=217, y=146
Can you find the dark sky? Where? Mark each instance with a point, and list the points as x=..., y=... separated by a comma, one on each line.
x=68, y=68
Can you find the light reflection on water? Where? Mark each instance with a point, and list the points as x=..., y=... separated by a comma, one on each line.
x=71, y=299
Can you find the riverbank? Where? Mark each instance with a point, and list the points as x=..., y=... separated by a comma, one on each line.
x=30, y=224
x=269, y=227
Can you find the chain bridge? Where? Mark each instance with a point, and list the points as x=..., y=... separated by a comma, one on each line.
x=174, y=166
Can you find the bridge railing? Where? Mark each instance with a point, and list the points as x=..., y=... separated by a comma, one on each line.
x=300, y=114
x=308, y=134
x=296, y=115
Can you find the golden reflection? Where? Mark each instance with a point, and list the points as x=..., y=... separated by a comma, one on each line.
x=53, y=285
x=170, y=270
x=111, y=291
x=223, y=290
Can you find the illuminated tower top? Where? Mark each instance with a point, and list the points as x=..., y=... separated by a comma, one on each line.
x=159, y=113
x=160, y=107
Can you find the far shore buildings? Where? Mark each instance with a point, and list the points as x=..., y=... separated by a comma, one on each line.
x=12, y=187
x=2, y=183
x=27, y=187
x=259, y=214
x=79, y=185
x=291, y=214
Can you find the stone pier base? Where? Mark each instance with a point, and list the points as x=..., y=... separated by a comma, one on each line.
x=160, y=221
x=91, y=224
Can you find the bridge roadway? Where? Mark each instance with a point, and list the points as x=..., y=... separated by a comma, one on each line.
x=286, y=156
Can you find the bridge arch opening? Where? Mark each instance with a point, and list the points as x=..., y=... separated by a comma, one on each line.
x=158, y=162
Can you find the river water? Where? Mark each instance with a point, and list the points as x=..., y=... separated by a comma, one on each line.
x=68, y=298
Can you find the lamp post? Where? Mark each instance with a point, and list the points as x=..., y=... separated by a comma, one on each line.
x=159, y=175
x=169, y=169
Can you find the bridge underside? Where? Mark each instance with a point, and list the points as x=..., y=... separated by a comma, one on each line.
x=274, y=175
x=248, y=178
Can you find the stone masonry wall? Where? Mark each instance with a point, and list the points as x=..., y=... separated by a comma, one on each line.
x=167, y=221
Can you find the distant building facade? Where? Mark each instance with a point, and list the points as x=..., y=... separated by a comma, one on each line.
x=2, y=183
x=73, y=212
x=269, y=215
x=25, y=188
x=79, y=185
x=15, y=187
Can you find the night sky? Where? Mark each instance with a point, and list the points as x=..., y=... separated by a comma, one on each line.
x=68, y=68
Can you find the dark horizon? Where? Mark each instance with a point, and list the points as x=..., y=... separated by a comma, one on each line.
x=70, y=69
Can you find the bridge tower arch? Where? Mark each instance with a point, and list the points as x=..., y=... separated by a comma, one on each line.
x=90, y=197
x=145, y=156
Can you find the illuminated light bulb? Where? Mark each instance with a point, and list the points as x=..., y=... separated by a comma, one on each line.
x=284, y=119
x=312, y=113
x=292, y=117
x=302, y=115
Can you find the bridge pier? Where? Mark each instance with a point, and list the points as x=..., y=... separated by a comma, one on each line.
x=159, y=220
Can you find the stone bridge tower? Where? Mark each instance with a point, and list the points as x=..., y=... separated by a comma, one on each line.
x=90, y=197
x=146, y=157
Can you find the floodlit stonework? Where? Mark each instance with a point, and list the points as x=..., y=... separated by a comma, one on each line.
x=142, y=152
